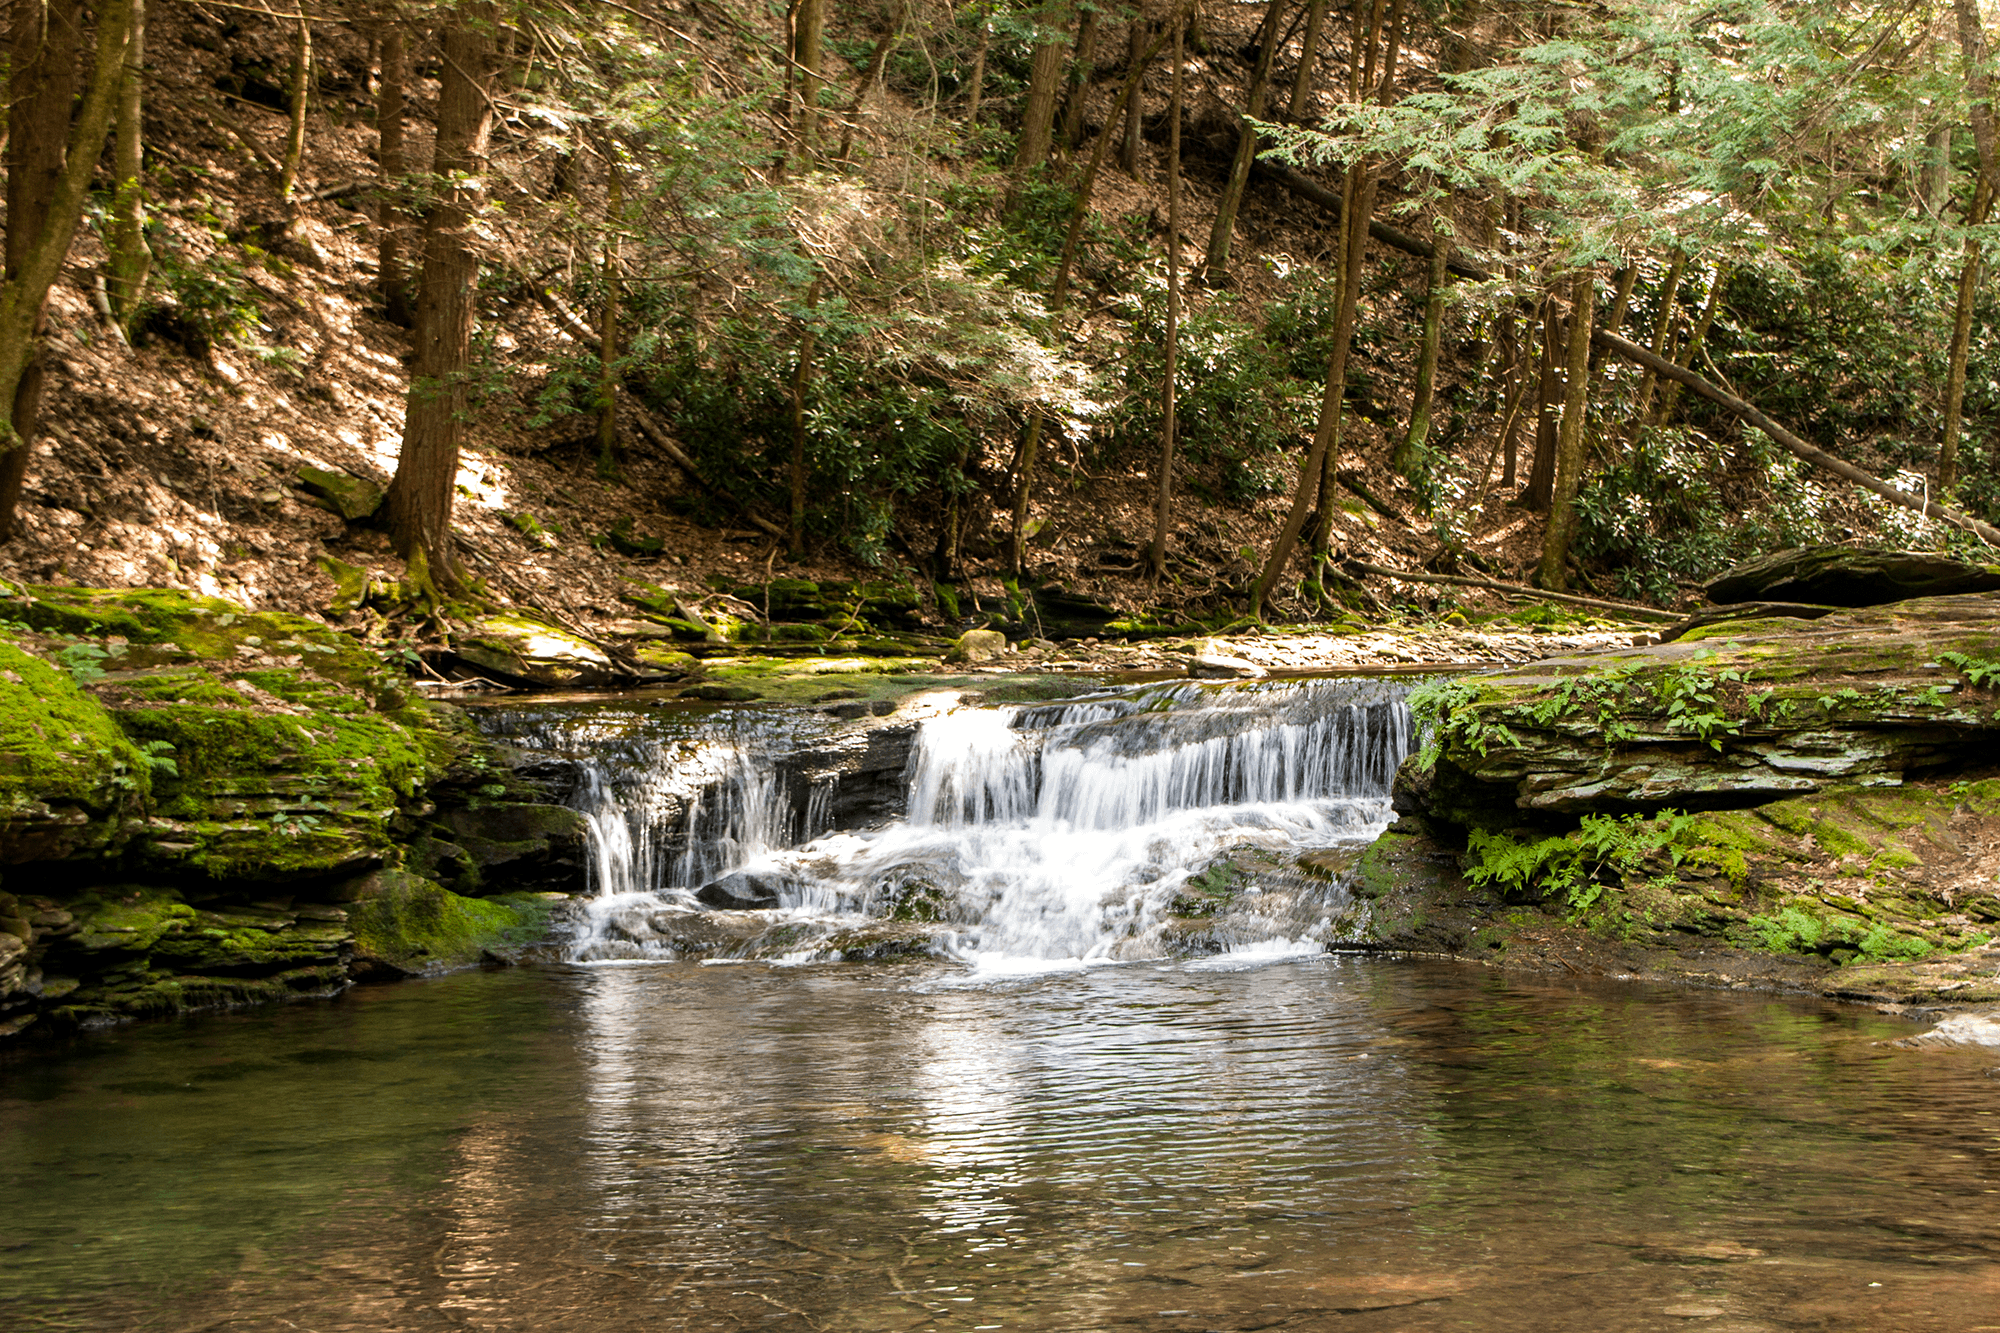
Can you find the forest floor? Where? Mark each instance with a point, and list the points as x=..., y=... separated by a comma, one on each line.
x=176, y=463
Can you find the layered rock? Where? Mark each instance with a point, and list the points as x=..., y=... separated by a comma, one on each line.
x=201, y=805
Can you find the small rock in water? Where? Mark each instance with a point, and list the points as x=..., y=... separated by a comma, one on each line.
x=1211, y=663
x=718, y=693
x=1958, y=1030
x=744, y=891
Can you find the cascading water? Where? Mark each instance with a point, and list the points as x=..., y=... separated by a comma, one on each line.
x=1056, y=833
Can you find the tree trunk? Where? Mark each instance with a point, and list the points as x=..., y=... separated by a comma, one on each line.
x=801, y=380
x=1156, y=555
x=1511, y=429
x=130, y=260
x=975, y=84
x=1672, y=396
x=1308, y=61
x=1427, y=356
x=389, y=275
x=1128, y=146
x=1540, y=490
x=1044, y=82
x=808, y=41
x=1569, y=450
x=1961, y=345
x=1362, y=184
x=1217, y=259
x=295, y=139
x=1080, y=67
x=873, y=75
x=607, y=348
x=419, y=502
x=1663, y=323
x=50, y=163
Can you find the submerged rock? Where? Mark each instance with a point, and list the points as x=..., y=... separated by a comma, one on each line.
x=1850, y=576
x=746, y=891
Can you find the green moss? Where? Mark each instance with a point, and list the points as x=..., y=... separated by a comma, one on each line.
x=57, y=743
x=413, y=925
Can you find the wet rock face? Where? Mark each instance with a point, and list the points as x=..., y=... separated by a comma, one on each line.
x=1850, y=576
x=745, y=891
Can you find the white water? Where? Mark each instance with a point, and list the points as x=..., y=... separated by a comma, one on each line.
x=1047, y=836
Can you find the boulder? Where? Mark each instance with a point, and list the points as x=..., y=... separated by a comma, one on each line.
x=1850, y=576
x=351, y=497
x=1210, y=662
x=518, y=845
x=978, y=645
x=716, y=692
x=536, y=653
x=745, y=891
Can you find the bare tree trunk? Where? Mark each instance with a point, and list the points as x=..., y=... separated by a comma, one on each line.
x=130, y=260
x=975, y=85
x=419, y=502
x=1362, y=185
x=1972, y=41
x=295, y=139
x=1510, y=430
x=1569, y=451
x=1427, y=356
x=1044, y=82
x=1080, y=67
x=801, y=379
x=808, y=41
x=389, y=225
x=1217, y=259
x=1308, y=60
x=607, y=349
x=50, y=162
x=1540, y=490
x=1128, y=147
x=1156, y=555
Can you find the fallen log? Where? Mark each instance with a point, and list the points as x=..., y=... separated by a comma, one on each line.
x=1518, y=589
x=1792, y=443
x=1307, y=188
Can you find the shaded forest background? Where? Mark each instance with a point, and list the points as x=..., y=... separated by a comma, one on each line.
x=611, y=297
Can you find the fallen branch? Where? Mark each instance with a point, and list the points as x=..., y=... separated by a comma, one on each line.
x=1794, y=444
x=1519, y=590
x=1353, y=482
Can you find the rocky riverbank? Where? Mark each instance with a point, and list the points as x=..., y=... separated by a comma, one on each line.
x=1804, y=804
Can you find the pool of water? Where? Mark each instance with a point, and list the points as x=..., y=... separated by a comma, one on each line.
x=1336, y=1142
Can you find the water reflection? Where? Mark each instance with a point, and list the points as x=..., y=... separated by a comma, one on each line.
x=1158, y=1147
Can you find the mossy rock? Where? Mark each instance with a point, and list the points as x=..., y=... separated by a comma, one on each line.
x=405, y=925
x=353, y=498
x=58, y=744
x=536, y=653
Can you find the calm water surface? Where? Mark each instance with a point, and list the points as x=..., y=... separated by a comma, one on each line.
x=1332, y=1143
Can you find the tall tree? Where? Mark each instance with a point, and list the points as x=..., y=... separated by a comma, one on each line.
x=419, y=502
x=1044, y=84
x=808, y=43
x=1216, y=261
x=1081, y=66
x=1979, y=84
x=390, y=166
x=607, y=324
x=1552, y=573
x=1428, y=348
x=51, y=156
x=130, y=260
x=1156, y=554
x=1308, y=60
x=301, y=86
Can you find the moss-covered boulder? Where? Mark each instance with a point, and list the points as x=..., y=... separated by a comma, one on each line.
x=406, y=925
x=1850, y=576
x=535, y=653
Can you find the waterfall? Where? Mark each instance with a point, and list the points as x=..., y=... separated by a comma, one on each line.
x=1032, y=835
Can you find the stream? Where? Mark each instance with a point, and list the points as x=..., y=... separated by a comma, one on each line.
x=1080, y=1079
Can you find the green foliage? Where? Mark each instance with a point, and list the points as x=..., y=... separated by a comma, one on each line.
x=1443, y=710
x=1984, y=673
x=1795, y=929
x=1695, y=698
x=1572, y=867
